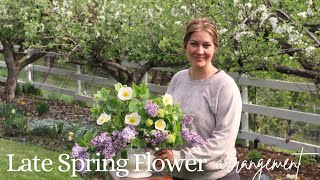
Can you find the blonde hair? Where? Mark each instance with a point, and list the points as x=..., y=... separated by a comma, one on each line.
x=201, y=24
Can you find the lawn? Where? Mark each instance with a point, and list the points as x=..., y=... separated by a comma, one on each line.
x=25, y=151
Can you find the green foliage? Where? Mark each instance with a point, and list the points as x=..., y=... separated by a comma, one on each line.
x=306, y=159
x=254, y=156
x=29, y=89
x=49, y=127
x=119, y=108
x=42, y=108
x=15, y=121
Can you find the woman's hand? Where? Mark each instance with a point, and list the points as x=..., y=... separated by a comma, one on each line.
x=163, y=154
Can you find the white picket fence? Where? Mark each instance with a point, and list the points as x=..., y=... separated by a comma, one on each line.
x=242, y=81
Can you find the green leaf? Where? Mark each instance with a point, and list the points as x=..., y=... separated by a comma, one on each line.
x=82, y=143
x=117, y=86
x=117, y=122
x=124, y=155
x=113, y=104
x=88, y=137
x=135, y=142
x=134, y=105
x=144, y=91
x=136, y=90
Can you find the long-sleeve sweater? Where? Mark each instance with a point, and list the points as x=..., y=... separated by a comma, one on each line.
x=216, y=105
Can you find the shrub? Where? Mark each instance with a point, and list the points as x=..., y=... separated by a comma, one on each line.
x=29, y=89
x=44, y=131
x=254, y=156
x=15, y=121
x=42, y=108
x=49, y=127
x=18, y=90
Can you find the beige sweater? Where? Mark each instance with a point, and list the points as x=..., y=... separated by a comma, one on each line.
x=216, y=105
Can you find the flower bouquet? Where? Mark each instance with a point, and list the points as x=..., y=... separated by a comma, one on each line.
x=130, y=119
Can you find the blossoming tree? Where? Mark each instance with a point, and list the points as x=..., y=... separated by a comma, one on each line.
x=272, y=35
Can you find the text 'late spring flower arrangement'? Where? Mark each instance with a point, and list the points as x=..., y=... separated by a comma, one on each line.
x=132, y=119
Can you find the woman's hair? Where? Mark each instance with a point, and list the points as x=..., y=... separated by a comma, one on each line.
x=203, y=24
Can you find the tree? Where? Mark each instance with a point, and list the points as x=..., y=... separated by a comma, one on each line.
x=273, y=36
x=257, y=36
x=30, y=29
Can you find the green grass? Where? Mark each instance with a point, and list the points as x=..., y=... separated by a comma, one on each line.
x=25, y=151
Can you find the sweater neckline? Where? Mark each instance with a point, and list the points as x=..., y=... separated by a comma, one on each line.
x=202, y=80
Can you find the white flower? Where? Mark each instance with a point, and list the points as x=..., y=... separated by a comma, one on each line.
x=249, y=5
x=103, y=118
x=125, y=93
x=262, y=8
x=13, y=111
x=177, y=22
x=167, y=99
x=133, y=119
x=309, y=12
x=160, y=124
x=273, y=22
x=310, y=51
x=97, y=34
x=302, y=14
x=221, y=31
x=235, y=2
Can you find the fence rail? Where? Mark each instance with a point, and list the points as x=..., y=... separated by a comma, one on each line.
x=242, y=81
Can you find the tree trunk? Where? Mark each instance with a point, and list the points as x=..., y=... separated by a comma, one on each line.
x=13, y=72
x=11, y=84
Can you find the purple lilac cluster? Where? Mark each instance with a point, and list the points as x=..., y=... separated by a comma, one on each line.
x=151, y=108
x=191, y=136
x=79, y=152
x=104, y=145
x=121, y=139
x=187, y=119
x=158, y=137
x=117, y=140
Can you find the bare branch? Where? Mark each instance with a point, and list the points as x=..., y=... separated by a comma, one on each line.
x=282, y=14
x=31, y=59
x=313, y=37
x=299, y=72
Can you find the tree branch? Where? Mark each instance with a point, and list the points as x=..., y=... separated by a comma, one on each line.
x=299, y=72
x=31, y=59
x=313, y=37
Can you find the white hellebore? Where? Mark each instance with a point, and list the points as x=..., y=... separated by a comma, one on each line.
x=103, y=118
x=13, y=111
x=133, y=119
x=125, y=93
x=160, y=124
x=167, y=99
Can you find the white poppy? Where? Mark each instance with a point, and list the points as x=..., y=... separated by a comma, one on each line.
x=103, y=118
x=167, y=99
x=125, y=93
x=160, y=124
x=133, y=119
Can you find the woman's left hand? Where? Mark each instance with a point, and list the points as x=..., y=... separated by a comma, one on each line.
x=163, y=154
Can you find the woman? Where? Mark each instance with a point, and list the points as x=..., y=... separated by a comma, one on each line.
x=214, y=99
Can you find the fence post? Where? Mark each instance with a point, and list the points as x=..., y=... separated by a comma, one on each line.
x=145, y=78
x=29, y=73
x=244, y=115
x=78, y=71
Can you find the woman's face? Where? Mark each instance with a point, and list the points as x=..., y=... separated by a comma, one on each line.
x=200, y=49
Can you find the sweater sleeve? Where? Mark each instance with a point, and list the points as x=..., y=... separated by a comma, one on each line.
x=227, y=125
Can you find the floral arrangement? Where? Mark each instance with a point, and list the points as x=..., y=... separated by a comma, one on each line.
x=132, y=119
